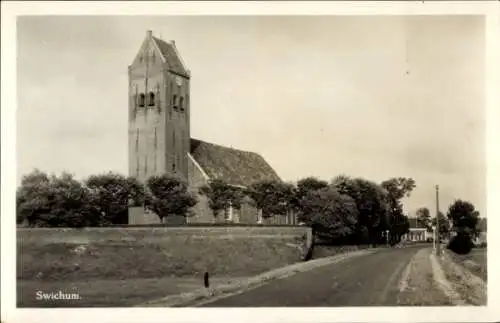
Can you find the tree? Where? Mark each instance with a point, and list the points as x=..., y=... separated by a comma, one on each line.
x=272, y=197
x=220, y=195
x=331, y=215
x=112, y=194
x=461, y=243
x=167, y=196
x=302, y=189
x=52, y=201
x=371, y=203
x=444, y=224
x=399, y=225
x=397, y=189
x=424, y=217
x=464, y=217
x=32, y=197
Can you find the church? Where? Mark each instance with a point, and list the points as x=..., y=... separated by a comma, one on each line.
x=160, y=141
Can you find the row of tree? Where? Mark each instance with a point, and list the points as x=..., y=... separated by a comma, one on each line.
x=460, y=217
x=345, y=210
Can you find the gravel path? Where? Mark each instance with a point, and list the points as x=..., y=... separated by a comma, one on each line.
x=417, y=286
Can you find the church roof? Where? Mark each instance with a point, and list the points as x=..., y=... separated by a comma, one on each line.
x=171, y=56
x=233, y=166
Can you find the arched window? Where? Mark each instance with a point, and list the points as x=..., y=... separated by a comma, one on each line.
x=142, y=99
x=174, y=101
x=151, y=99
x=181, y=103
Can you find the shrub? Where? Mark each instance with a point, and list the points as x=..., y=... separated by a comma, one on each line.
x=461, y=243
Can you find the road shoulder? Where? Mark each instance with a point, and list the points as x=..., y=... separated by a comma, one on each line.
x=471, y=288
x=226, y=290
x=417, y=285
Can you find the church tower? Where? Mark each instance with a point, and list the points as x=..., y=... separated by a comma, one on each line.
x=159, y=110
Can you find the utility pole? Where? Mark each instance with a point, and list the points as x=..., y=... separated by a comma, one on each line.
x=438, y=244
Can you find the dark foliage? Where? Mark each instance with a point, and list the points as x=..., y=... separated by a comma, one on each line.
x=461, y=243
x=169, y=196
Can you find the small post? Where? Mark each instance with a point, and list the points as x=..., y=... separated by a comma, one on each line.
x=438, y=244
x=205, y=280
x=387, y=237
x=434, y=237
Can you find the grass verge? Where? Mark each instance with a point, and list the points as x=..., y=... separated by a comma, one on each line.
x=120, y=267
x=471, y=288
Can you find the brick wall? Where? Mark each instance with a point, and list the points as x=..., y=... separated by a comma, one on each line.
x=137, y=215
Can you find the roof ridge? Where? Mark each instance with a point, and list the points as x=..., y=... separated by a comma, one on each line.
x=226, y=147
x=236, y=166
x=172, y=56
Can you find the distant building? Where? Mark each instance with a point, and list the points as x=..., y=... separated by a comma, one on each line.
x=160, y=140
x=417, y=231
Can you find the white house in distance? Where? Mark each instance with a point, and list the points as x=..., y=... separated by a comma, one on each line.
x=417, y=233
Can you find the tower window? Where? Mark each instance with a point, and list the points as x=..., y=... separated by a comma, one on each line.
x=151, y=99
x=181, y=103
x=174, y=101
x=173, y=167
x=142, y=100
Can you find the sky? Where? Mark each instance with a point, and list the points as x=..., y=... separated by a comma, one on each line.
x=366, y=96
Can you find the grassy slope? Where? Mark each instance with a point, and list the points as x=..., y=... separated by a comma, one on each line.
x=122, y=266
x=475, y=261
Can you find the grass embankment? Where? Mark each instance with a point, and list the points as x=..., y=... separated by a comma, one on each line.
x=121, y=267
x=475, y=261
x=464, y=275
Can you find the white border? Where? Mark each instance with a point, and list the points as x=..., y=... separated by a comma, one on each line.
x=11, y=9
